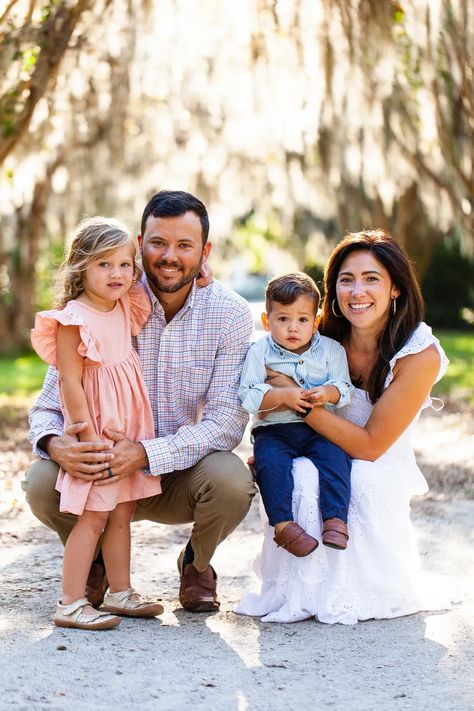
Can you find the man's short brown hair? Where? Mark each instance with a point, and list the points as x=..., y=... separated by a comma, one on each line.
x=287, y=288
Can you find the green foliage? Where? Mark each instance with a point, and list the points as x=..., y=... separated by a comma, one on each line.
x=316, y=272
x=47, y=267
x=22, y=375
x=459, y=379
x=448, y=286
x=398, y=14
x=29, y=58
x=410, y=55
x=48, y=9
x=8, y=111
x=253, y=234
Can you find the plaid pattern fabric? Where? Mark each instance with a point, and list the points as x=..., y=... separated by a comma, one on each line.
x=192, y=369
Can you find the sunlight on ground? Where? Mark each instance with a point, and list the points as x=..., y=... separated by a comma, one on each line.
x=242, y=638
x=451, y=631
x=440, y=629
x=242, y=703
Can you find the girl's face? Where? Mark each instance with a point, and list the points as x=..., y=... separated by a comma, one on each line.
x=108, y=278
x=365, y=290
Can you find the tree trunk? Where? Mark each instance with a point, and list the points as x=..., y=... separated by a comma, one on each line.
x=17, y=310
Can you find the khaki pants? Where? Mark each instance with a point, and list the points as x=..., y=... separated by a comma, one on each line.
x=215, y=494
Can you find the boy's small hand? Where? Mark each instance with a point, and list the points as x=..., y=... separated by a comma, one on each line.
x=295, y=399
x=318, y=396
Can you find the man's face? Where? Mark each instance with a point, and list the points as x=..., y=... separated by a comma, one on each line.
x=172, y=252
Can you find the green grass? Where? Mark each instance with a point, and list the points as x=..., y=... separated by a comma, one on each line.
x=23, y=376
x=459, y=379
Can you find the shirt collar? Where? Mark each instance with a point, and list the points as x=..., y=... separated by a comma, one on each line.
x=155, y=302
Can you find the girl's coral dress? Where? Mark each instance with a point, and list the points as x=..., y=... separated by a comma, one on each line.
x=114, y=387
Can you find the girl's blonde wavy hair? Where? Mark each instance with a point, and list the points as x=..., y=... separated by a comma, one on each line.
x=92, y=239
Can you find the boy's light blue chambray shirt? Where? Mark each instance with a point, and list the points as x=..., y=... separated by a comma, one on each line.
x=324, y=363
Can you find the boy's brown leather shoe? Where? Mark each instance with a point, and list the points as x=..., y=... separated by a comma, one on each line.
x=335, y=534
x=295, y=540
x=197, y=591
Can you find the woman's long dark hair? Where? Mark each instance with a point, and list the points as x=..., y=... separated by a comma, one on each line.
x=410, y=307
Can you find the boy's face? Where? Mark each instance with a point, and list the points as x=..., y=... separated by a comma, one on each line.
x=291, y=325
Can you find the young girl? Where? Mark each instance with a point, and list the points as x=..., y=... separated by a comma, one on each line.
x=88, y=339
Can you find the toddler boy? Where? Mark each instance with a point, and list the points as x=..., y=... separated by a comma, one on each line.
x=318, y=365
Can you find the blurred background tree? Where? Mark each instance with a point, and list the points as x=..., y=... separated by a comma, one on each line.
x=294, y=120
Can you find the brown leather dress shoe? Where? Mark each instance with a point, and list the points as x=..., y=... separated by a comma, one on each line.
x=295, y=540
x=335, y=534
x=197, y=592
x=96, y=585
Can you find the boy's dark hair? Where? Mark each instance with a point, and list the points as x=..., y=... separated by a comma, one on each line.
x=173, y=203
x=287, y=288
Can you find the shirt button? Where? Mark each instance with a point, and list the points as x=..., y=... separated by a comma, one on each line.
x=301, y=380
x=300, y=362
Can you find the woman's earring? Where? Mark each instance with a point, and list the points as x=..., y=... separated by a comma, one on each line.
x=334, y=310
x=394, y=306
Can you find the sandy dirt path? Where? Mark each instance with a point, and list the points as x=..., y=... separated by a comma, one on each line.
x=230, y=663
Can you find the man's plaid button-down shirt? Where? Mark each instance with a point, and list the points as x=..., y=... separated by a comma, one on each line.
x=192, y=368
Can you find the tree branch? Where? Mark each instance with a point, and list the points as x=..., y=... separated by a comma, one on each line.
x=417, y=161
x=54, y=41
x=7, y=10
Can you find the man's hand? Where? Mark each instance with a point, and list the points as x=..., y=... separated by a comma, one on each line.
x=83, y=460
x=129, y=457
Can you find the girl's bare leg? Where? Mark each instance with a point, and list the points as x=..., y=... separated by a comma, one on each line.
x=79, y=554
x=116, y=545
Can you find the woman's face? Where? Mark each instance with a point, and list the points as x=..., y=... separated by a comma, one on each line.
x=365, y=290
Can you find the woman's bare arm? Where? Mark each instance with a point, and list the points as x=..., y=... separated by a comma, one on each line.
x=393, y=412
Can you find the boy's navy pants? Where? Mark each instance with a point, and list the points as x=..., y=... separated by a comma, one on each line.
x=275, y=448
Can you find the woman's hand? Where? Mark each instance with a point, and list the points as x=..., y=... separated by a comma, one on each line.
x=279, y=380
x=287, y=395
